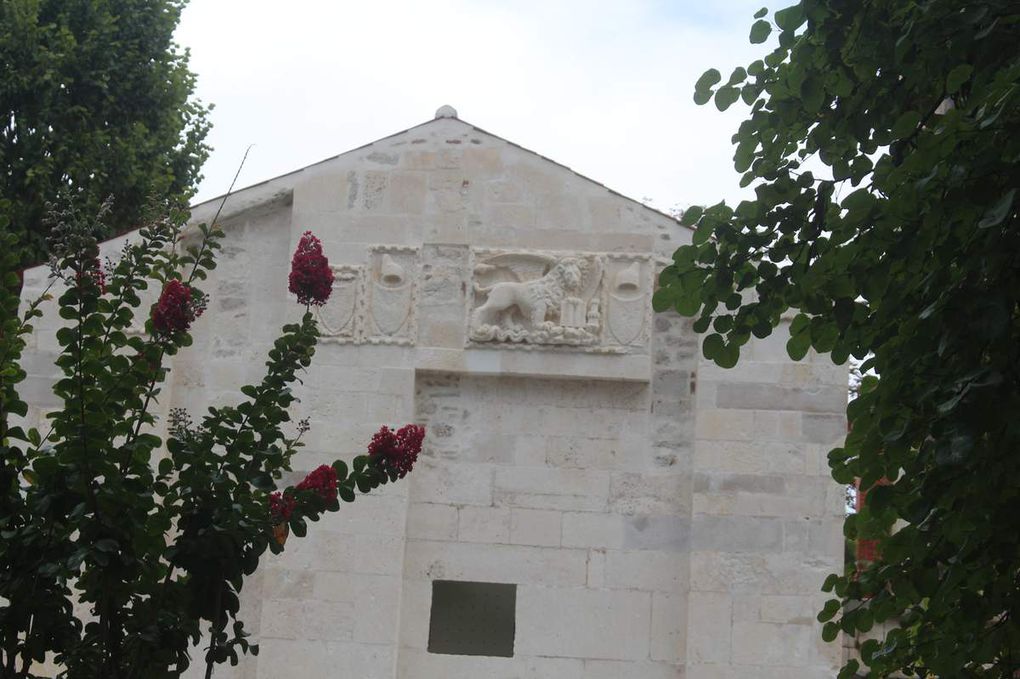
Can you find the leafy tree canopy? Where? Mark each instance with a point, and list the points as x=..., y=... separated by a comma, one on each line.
x=94, y=102
x=882, y=143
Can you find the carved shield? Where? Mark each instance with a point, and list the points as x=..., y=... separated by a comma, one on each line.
x=626, y=318
x=627, y=305
x=391, y=307
x=338, y=314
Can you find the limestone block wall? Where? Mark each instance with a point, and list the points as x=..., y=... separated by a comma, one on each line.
x=659, y=516
x=550, y=484
x=766, y=516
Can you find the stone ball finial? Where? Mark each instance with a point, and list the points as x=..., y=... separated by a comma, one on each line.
x=446, y=111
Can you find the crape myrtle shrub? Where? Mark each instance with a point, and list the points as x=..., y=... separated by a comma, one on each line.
x=883, y=147
x=119, y=547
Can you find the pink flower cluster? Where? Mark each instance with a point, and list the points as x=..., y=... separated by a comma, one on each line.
x=176, y=309
x=280, y=507
x=322, y=480
x=311, y=279
x=398, y=450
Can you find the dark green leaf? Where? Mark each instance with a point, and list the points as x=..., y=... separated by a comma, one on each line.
x=708, y=79
x=957, y=77
x=906, y=124
x=106, y=545
x=829, y=611
x=791, y=18
x=725, y=97
x=760, y=31
x=998, y=212
x=703, y=232
x=662, y=299
x=691, y=215
x=688, y=304
x=797, y=346
x=728, y=355
x=712, y=346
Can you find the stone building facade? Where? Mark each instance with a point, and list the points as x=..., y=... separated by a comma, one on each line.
x=656, y=517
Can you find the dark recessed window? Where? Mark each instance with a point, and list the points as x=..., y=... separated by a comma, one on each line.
x=472, y=618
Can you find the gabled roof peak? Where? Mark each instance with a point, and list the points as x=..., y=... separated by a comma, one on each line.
x=278, y=189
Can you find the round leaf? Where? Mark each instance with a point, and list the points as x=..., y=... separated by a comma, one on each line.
x=760, y=31
x=725, y=97
x=691, y=215
x=708, y=79
x=712, y=345
x=957, y=77
x=662, y=299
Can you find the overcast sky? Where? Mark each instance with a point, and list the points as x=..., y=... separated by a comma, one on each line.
x=604, y=87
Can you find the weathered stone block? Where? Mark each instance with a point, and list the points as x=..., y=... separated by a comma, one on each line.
x=666, y=533
x=825, y=429
x=307, y=619
x=535, y=527
x=593, y=529
x=669, y=627
x=646, y=570
x=742, y=457
x=544, y=488
x=665, y=493
x=495, y=563
x=746, y=573
x=484, y=524
x=709, y=634
x=617, y=623
x=614, y=669
x=751, y=396
x=448, y=483
x=773, y=644
x=427, y=521
x=281, y=583
x=736, y=534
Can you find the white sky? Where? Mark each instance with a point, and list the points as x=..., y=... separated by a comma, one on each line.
x=602, y=86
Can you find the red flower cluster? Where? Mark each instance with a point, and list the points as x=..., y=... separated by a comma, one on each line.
x=96, y=274
x=311, y=279
x=176, y=308
x=280, y=507
x=322, y=481
x=397, y=450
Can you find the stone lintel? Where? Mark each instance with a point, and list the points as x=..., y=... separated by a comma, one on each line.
x=615, y=367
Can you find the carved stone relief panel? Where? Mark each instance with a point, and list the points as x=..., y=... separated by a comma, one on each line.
x=628, y=285
x=589, y=301
x=592, y=301
x=535, y=298
x=391, y=294
x=341, y=317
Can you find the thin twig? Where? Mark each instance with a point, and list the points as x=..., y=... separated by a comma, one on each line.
x=231, y=189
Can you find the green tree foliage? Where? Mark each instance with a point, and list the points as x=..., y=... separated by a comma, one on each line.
x=882, y=145
x=94, y=102
x=115, y=543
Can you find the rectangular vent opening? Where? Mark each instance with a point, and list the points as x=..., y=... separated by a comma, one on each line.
x=473, y=618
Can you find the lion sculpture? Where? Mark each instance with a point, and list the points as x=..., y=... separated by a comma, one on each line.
x=535, y=299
